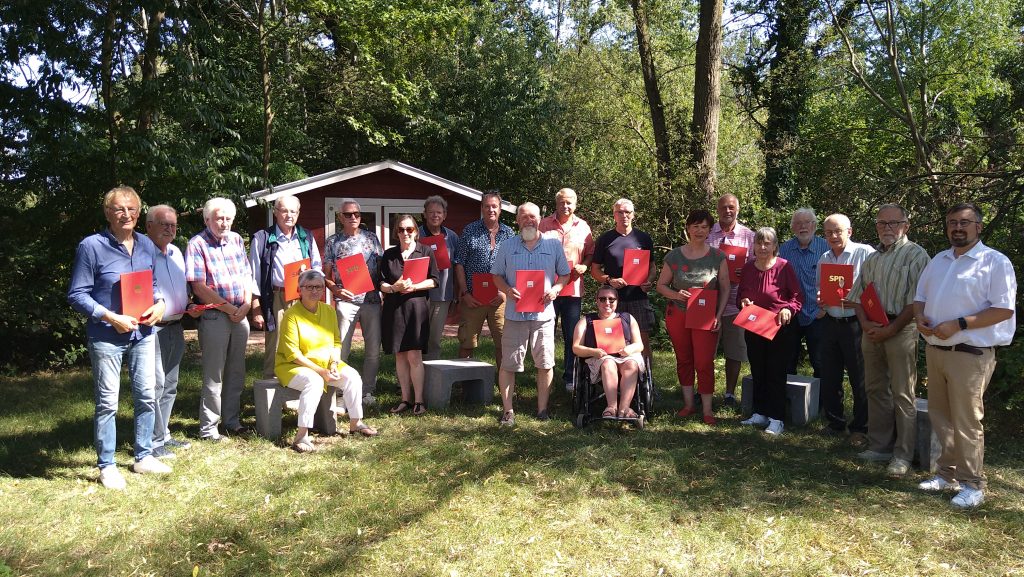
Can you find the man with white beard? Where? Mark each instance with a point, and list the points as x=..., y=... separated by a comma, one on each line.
x=533, y=330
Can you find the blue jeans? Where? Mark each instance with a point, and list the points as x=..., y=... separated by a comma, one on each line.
x=170, y=348
x=568, y=309
x=106, y=373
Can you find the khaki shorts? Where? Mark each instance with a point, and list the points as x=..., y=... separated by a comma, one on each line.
x=472, y=322
x=641, y=310
x=538, y=336
x=730, y=337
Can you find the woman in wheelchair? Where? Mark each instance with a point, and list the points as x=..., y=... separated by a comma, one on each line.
x=618, y=365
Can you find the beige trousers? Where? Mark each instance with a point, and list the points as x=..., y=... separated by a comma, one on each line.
x=890, y=377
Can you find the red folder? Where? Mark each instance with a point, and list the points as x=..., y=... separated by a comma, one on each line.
x=292, y=271
x=701, y=308
x=636, y=264
x=136, y=292
x=872, y=305
x=440, y=248
x=567, y=289
x=530, y=284
x=836, y=280
x=608, y=335
x=758, y=321
x=415, y=269
x=354, y=275
x=484, y=289
x=735, y=258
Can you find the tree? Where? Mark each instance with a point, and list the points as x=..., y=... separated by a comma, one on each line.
x=707, y=92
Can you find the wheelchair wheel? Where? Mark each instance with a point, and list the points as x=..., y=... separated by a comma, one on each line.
x=581, y=421
x=640, y=421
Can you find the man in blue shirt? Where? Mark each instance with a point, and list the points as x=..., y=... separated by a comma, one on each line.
x=803, y=252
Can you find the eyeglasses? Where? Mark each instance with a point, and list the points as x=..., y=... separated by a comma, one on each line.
x=624, y=212
x=313, y=287
x=889, y=223
x=355, y=214
x=607, y=299
x=407, y=229
x=166, y=224
x=128, y=210
x=960, y=223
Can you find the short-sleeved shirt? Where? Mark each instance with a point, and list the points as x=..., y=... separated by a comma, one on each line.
x=690, y=273
x=445, y=289
x=474, y=252
x=340, y=245
x=513, y=256
x=221, y=265
x=577, y=242
x=895, y=271
x=805, y=262
x=610, y=252
x=738, y=236
x=855, y=253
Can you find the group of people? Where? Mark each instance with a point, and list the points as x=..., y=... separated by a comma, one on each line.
x=962, y=303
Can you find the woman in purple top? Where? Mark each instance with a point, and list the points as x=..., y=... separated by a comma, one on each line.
x=771, y=283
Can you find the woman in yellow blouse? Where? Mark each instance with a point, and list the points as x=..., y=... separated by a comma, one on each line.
x=309, y=358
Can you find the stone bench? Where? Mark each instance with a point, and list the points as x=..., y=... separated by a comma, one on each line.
x=802, y=394
x=477, y=378
x=927, y=447
x=270, y=400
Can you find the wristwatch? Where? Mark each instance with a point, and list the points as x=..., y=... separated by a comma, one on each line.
x=962, y=322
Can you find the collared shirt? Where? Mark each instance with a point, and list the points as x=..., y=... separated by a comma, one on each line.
x=739, y=236
x=610, y=253
x=340, y=245
x=445, y=289
x=855, y=253
x=895, y=271
x=288, y=251
x=577, y=242
x=96, y=281
x=474, y=251
x=805, y=262
x=979, y=279
x=221, y=265
x=169, y=274
x=513, y=256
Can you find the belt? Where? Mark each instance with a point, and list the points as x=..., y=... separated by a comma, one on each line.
x=279, y=289
x=963, y=348
x=168, y=323
x=849, y=319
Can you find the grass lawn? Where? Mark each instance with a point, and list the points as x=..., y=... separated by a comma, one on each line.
x=450, y=494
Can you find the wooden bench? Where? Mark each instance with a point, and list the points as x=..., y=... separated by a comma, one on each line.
x=476, y=377
x=927, y=447
x=270, y=400
x=802, y=394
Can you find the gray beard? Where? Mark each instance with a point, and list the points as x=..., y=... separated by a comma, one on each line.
x=529, y=233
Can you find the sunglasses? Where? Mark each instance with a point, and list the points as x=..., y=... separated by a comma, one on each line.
x=607, y=299
x=407, y=229
x=355, y=214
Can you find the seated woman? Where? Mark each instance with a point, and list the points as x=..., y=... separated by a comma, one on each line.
x=308, y=359
x=619, y=370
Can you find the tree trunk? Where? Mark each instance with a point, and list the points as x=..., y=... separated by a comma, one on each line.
x=107, y=83
x=657, y=108
x=707, y=104
x=150, y=58
x=268, y=110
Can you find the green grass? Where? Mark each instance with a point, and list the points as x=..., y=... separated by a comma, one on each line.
x=451, y=494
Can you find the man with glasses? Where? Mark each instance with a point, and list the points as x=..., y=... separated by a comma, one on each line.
x=964, y=307
x=363, y=308
x=270, y=250
x=435, y=211
x=890, y=352
x=803, y=251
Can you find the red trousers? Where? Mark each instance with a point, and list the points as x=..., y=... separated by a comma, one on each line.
x=695, y=351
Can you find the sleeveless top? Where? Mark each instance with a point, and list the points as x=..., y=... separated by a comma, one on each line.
x=589, y=340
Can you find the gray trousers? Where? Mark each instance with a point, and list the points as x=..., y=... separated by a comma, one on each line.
x=223, y=362
x=438, y=314
x=170, y=348
x=270, y=343
x=368, y=316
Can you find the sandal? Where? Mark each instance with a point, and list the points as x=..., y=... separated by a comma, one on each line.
x=628, y=414
x=418, y=409
x=304, y=447
x=364, y=430
x=609, y=413
x=401, y=407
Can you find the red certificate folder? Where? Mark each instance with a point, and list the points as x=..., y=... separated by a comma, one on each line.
x=484, y=289
x=567, y=289
x=735, y=258
x=758, y=321
x=136, y=293
x=836, y=280
x=530, y=284
x=608, y=335
x=636, y=264
x=354, y=275
x=292, y=271
x=701, y=308
x=440, y=249
x=415, y=269
x=872, y=305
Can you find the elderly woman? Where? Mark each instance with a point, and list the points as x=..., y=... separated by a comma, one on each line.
x=694, y=265
x=619, y=370
x=309, y=358
x=406, y=312
x=769, y=282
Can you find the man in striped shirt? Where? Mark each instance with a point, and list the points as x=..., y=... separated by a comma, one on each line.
x=890, y=352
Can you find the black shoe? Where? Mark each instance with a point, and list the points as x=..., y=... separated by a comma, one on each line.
x=214, y=439
x=543, y=415
x=241, y=432
x=730, y=401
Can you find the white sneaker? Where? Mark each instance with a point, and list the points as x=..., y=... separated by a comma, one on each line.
x=110, y=477
x=369, y=400
x=968, y=498
x=150, y=465
x=937, y=483
x=757, y=419
x=898, y=467
x=774, y=427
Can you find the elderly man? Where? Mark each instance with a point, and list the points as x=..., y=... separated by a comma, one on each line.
x=890, y=352
x=95, y=292
x=474, y=255
x=169, y=274
x=729, y=231
x=803, y=251
x=609, y=258
x=364, y=308
x=218, y=271
x=270, y=250
x=964, y=307
x=577, y=241
x=534, y=330
x=435, y=211
x=840, y=339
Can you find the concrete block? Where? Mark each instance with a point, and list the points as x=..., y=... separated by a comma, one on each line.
x=270, y=398
x=476, y=377
x=926, y=453
x=747, y=396
x=802, y=392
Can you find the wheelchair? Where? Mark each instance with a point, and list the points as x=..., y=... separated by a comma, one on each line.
x=588, y=398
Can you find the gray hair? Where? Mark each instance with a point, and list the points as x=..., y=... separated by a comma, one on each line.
x=280, y=201
x=767, y=234
x=805, y=211
x=841, y=219
x=564, y=192
x=623, y=202
x=526, y=205
x=347, y=200
x=153, y=210
x=436, y=199
x=903, y=211
x=219, y=203
x=310, y=274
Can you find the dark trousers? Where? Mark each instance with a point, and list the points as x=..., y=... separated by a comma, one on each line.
x=812, y=334
x=568, y=309
x=768, y=365
x=840, y=349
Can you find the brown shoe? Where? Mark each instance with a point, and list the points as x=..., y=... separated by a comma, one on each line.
x=858, y=440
